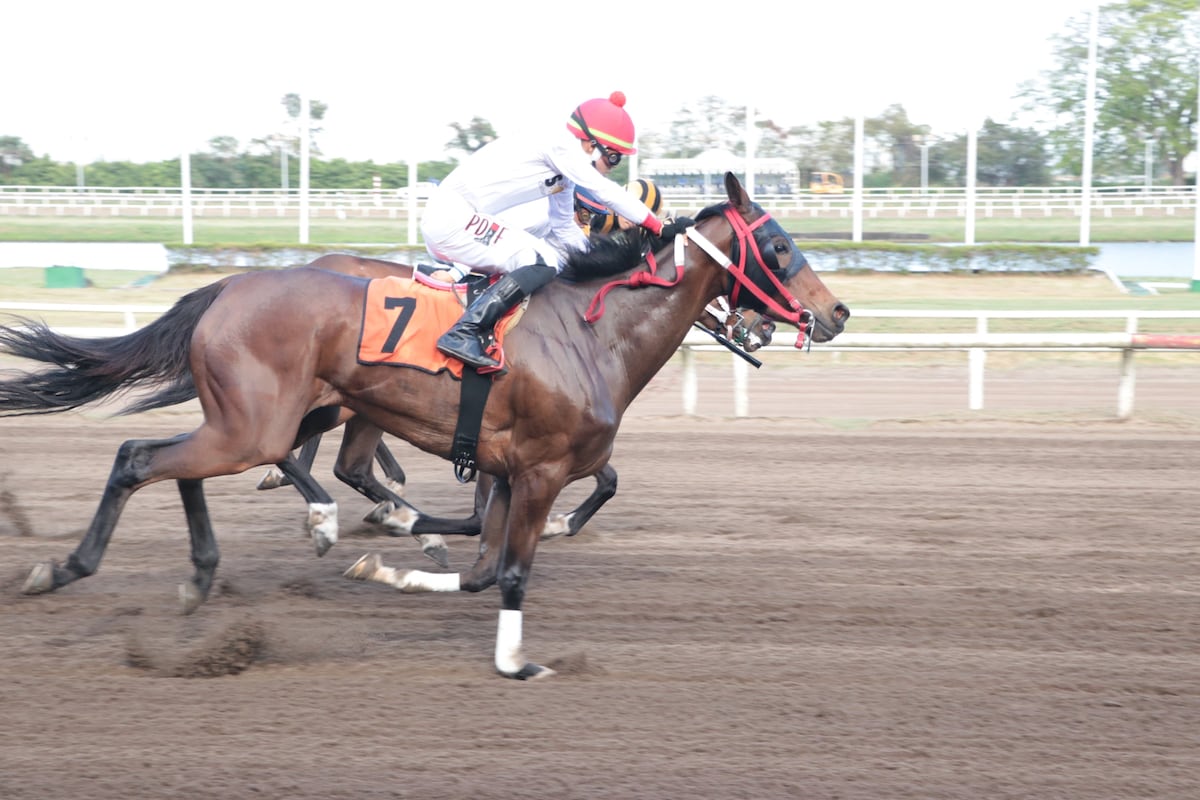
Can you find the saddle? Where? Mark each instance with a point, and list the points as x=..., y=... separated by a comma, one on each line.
x=402, y=320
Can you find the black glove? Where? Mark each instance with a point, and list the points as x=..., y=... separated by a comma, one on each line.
x=671, y=228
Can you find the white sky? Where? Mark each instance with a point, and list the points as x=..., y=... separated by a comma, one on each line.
x=139, y=81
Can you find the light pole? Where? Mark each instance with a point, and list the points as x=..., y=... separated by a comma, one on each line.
x=925, y=143
x=1149, y=163
x=283, y=167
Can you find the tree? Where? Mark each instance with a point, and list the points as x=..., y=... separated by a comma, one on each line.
x=13, y=154
x=709, y=124
x=1147, y=60
x=472, y=136
x=1005, y=156
x=291, y=137
x=893, y=134
x=831, y=147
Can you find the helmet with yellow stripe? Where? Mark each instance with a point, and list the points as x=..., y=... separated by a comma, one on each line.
x=606, y=222
x=604, y=121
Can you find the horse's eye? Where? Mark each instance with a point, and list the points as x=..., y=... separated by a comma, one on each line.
x=780, y=247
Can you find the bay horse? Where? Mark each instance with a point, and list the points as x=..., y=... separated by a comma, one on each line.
x=35, y=341
x=269, y=352
x=362, y=442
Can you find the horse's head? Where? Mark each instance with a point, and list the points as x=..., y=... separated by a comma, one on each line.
x=753, y=333
x=769, y=274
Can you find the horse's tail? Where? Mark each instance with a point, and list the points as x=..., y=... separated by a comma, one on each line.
x=87, y=370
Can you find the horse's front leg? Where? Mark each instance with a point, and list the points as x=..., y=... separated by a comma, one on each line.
x=512, y=526
x=482, y=575
x=362, y=442
x=572, y=522
x=322, y=522
x=274, y=477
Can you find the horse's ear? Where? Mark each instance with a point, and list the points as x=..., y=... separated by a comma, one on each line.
x=737, y=193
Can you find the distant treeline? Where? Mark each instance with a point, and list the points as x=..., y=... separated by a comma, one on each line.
x=240, y=171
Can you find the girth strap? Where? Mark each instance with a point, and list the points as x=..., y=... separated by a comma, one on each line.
x=472, y=399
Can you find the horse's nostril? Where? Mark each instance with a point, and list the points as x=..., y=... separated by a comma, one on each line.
x=841, y=313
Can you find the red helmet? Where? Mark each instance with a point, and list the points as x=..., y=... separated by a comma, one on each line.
x=606, y=121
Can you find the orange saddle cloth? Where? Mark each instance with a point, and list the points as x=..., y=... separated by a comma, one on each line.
x=403, y=318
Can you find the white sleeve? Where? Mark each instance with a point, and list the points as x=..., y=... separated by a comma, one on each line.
x=562, y=220
x=576, y=168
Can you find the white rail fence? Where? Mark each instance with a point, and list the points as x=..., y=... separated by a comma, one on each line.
x=976, y=345
x=387, y=204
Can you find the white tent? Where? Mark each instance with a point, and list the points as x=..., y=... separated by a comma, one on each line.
x=715, y=163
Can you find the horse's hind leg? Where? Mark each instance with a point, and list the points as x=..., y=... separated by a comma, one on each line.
x=572, y=523
x=130, y=471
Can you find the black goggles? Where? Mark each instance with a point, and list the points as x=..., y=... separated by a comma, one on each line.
x=611, y=157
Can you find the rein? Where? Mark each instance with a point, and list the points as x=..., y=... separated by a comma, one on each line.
x=595, y=309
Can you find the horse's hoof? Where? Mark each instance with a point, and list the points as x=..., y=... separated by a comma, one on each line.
x=438, y=553
x=380, y=512
x=365, y=568
x=322, y=544
x=40, y=580
x=190, y=597
x=323, y=526
x=556, y=527
x=395, y=487
x=530, y=672
x=273, y=479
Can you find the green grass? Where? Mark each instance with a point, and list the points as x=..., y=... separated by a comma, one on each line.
x=257, y=232
x=1059, y=229
x=281, y=232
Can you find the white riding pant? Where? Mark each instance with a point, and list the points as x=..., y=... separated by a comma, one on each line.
x=456, y=232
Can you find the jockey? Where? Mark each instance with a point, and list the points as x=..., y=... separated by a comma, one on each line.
x=465, y=220
x=587, y=207
x=604, y=222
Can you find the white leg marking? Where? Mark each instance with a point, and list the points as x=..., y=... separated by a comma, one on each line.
x=370, y=568
x=401, y=519
x=323, y=525
x=509, y=660
x=557, y=526
x=415, y=580
x=396, y=487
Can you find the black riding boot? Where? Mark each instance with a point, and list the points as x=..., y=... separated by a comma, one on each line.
x=464, y=341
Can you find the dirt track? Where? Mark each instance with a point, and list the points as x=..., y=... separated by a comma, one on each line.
x=863, y=593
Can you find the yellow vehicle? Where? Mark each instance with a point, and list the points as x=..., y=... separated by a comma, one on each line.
x=826, y=183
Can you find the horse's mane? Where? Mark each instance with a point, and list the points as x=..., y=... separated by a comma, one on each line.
x=715, y=210
x=620, y=252
x=607, y=256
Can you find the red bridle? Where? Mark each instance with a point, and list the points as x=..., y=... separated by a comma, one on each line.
x=796, y=314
